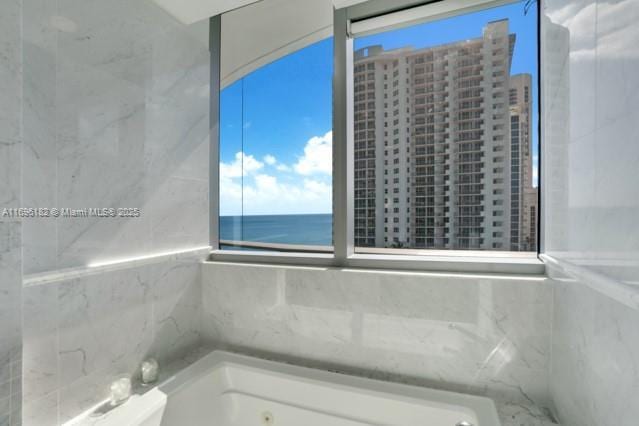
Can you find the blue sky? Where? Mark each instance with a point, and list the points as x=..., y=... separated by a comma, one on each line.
x=279, y=116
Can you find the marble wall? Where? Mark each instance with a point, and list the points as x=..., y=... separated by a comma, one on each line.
x=595, y=356
x=590, y=63
x=482, y=334
x=116, y=102
x=116, y=115
x=11, y=75
x=84, y=330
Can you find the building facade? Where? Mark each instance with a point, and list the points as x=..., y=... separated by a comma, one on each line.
x=437, y=162
x=523, y=196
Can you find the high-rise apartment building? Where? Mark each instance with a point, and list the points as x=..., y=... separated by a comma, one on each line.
x=523, y=196
x=438, y=161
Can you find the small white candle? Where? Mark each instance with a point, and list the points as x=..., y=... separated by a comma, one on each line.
x=150, y=369
x=120, y=390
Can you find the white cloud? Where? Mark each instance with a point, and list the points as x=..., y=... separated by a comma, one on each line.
x=283, y=168
x=317, y=156
x=315, y=187
x=243, y=165
x=263, y=193
x=270, y=160
x=266, y=194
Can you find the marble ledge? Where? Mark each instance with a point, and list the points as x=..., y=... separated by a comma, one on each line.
x=398, y=271
x=619, y=291
x=197, y=254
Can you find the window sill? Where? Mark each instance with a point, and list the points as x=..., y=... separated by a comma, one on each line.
x=518, y=263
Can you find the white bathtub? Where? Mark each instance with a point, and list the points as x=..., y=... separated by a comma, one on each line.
x=224, y=389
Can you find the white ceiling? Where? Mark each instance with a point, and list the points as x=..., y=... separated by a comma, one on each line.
x=263, y=31
x=190, y=11
x=344, y=3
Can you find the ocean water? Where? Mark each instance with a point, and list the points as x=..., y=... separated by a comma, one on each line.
x=308, y=229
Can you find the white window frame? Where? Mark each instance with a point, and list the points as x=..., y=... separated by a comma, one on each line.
x=364, y=18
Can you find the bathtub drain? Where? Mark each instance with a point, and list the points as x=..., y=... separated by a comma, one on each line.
x=267, y=418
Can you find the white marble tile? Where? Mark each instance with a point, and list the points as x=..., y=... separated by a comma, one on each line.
x=42, y=411
x=39, y=154
x=176, y=218
x=595, y=357
x=615, y=200
x=80, y=395
x=10, y=227
x=84, y=329
x=591, y=209
x=176, y=309
x=556, y=114
x=178, y=104
x=617, y=60
x=5, y=410
x=10, y=70
x=518, y=414
x=105, y=324
x=10, y=292
x=112, y=36
x=10, y=153
x=587, y=178
x=40, y=340
x=480, y=334
x=10, y=321
x=16, y=401
x=101, y=125
x=571, y=58
x=117, y=106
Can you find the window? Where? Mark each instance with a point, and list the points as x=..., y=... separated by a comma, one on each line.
x=276, y=154
x=467, y=122
x=435, y=144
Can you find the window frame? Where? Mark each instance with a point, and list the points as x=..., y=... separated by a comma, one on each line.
x=370, y=16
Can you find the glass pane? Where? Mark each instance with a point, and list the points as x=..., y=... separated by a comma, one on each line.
x=445, y=134
x=230, y=170
x=276, y=154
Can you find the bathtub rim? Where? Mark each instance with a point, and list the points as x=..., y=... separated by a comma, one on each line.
x=483, y=407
